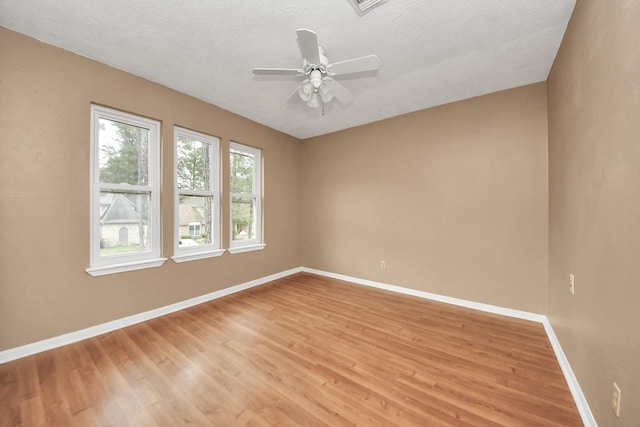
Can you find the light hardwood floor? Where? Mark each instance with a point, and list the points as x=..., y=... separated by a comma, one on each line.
x=300, y=351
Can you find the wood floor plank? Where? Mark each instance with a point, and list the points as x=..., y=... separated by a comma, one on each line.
x=304, y=350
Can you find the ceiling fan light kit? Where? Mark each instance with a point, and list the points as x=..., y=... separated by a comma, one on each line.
x=318, y=86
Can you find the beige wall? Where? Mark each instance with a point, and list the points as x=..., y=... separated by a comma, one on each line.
x=594, y=163
x=453, y=198
x=45, y=95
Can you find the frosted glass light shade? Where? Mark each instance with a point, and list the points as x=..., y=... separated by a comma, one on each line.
x=315, y=100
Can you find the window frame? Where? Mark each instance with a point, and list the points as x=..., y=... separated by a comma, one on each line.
x=257, y=243
x=99, y=264
x=191, y=253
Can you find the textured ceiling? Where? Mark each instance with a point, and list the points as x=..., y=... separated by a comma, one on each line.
x=431, y=52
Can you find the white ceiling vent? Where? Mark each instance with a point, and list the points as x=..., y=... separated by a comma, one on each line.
x=364, y=6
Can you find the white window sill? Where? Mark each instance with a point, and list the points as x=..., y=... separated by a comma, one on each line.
x=126, y=266
x=193, y=256
x=247, y=248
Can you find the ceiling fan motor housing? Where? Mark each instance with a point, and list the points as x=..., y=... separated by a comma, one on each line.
x=315, y=77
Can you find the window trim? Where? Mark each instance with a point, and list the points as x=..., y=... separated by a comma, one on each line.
x=240, y=246
x=100, y=265
x=247, y=248
x=213, y=249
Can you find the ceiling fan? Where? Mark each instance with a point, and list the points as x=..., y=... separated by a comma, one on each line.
x=318, y=87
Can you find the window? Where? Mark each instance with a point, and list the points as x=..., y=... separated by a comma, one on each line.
x=125, y=192
x=246, y=198
x=194, y=229
x=197, y=205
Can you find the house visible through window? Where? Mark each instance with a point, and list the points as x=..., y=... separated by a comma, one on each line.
x=194, y=229
x=123, y=236
x=246, y=198
x=197, y=204
x=125, y=193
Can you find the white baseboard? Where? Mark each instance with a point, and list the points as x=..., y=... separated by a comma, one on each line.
x=534, y=317
x=59, y=341
x=576, y=392
x=581, y=401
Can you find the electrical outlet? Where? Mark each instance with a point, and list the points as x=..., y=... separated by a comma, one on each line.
x=615, y=401
x=383, y=265
x=572, y=284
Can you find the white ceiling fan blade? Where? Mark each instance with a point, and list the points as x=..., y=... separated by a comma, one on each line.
x=308, y=44
x=295, y=96
x=277, y=71
x=339, y=91
x=356, y=65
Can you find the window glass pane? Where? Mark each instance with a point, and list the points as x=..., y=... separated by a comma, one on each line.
x=243, y=218
x=195, y=220
x=193, y=164
x=123, y=153
x=124, y=223
x=194, y=230
x=242, y=165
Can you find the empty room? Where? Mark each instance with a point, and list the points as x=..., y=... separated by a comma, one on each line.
x=344, y=213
